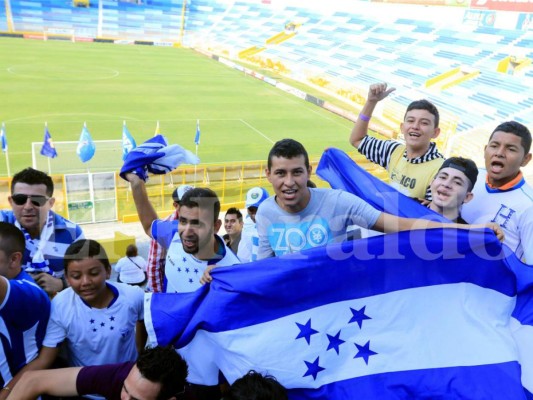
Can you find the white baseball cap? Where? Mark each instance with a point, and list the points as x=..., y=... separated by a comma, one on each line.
x=256, y=196
x=178, y=193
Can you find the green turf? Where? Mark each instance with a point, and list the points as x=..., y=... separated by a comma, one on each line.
x=67, y=84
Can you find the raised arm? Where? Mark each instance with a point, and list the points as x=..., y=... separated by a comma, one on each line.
x=376, y=93
x=145, y=210
x=56, y=382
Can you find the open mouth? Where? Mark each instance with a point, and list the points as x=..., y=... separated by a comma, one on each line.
x=496, y=166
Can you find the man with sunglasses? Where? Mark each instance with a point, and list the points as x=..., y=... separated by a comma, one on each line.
x=47, y=234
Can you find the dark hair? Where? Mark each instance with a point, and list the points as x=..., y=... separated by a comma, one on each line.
x=11, y=239
x=83, y=249
x=32, y=176
x=311, y=184
x=131, y=250
x=287, y=148
x=236, y=211
x=255, y=386
x=165, y=366
x=466, y=166
x=516, y=128
x=202, y=198
x=424, y=105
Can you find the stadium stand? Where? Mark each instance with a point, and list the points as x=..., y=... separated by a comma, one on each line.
x=345, y=49
x=467, y=67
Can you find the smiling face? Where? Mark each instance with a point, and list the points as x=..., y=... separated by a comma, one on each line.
x=232, y=224
x=30, y=216
x=449, y=190
x=504, y=155
x=289, y=177
x=196, y=231
x=87, y=278
x=418, y=128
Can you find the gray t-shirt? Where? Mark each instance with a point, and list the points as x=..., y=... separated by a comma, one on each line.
x=323, y=221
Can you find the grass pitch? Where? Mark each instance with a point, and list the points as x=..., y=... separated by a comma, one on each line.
x=66, y=84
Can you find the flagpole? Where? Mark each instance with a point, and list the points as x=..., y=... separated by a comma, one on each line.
x=197, y=142
x=5, y=147
x=7, y=162
x=195, y=167
x=48, y=158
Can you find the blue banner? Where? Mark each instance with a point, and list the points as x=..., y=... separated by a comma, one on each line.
x=48, y=149
x=86, y=147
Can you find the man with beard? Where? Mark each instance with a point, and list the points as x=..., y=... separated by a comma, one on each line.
x=501, y=194
x=192, y=240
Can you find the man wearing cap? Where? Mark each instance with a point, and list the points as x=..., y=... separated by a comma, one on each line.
x=157, y=254
x=249, y=239
x=452, y=187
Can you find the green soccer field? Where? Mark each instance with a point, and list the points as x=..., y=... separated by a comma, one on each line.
x=67, y=84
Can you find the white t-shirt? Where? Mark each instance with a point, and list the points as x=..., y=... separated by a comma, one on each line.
x=131, y=269
x=504, y=207
x=96, y=336
x=182, y=270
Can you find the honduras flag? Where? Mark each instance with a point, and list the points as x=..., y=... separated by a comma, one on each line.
x=128, y=142
x=343, y=173
x=86, y=147
x=157, y=157
x=424, y=314
x=48, y=149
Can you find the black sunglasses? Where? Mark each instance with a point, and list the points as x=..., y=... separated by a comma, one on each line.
x=36, y=200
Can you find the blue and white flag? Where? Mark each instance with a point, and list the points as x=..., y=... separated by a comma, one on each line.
x=48, y=149
x=412, y=315
x=197, y=136
x=128, y=142
x=341, y=172
x=3, y=138
x=86, y=147
x=157, y=157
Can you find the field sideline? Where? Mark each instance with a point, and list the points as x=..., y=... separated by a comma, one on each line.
x=67, y=84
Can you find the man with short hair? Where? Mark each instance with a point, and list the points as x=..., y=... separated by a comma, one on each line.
x=24, y=308
x=501, y=194
x=412, y=166
x=47, y=234
x=157, y=254
x=452, y=187
x=192, y=244
x=159, y=373
x=299, y=217
x=249, y=239
x=257, y=386
x=233, y=226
